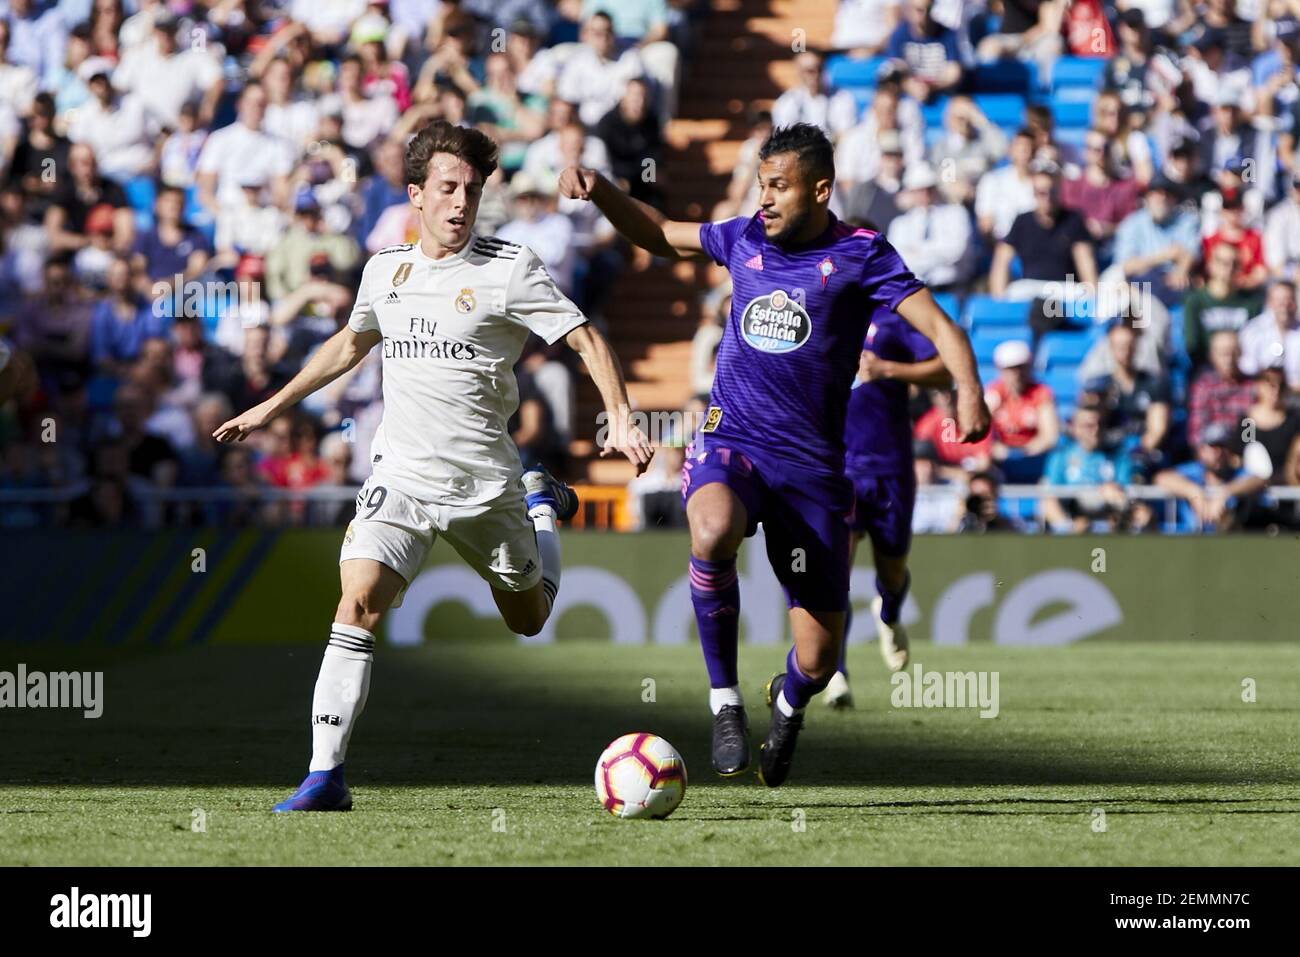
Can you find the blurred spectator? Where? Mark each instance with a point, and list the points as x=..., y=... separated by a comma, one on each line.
x=982, y=511
x=594, y=76
x=937, y=427
x=969, y=148
x=1158, y=244
x=1008, y=191
x=121, y=322
x=742, y=189
x=163, y=78
x=36, y=36
x=1098, y=194
x=1271, y=422
x=1133, y=404
x=170, y=248
x=18, y=82
x=241, y=150
x=642, y=25
x=1082, y=460
x=1028, y=30
x=290, y=116
x=812, y=101
x=1051, y=243
x=512, y=119
x=875, y=202
x=708, y=336
x=53, y=325
x=1025, y=424
x=115, y=126
x=1187, y=182
x=554, y=381
x=930, y=51
x=1214, y=486
x=1252, y=273
x=933, y=238
x=1218, y=304
x=860, y=155
x=1282, y=234
x=178, y=157
x=654, y=498
x=247, y=225
x=635, y=142
x=544, y=158
x=1129, y=150
x=289, y=262
x=76, y=196
x=538, y=225
x=532, y=427
x=1273, y=337
x=1220, y=395
x=863, y=27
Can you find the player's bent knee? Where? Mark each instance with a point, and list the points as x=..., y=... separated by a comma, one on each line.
x=715, y=537
x=362, y=609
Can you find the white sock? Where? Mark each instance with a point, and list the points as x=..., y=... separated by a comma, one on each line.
x=785, y=707
x=548, y=548
x=340, y=696
x=720, y=697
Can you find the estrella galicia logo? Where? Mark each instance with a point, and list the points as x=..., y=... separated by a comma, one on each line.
x=775, y=323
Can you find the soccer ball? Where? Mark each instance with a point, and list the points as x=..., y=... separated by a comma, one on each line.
x=640, y=775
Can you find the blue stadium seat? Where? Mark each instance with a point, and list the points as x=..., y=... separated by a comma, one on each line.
x=1077, y=71
x=984, y=340
x=1072, y=107
x=140, y=194
x=1064, y=383
x=1006, y=76
x=1003, y=109
x=1062, y=348
x=985, y=311
x=932, y=113
x=949, y=303
x=844, y=72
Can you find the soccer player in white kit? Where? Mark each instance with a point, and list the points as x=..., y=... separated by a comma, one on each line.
x=452, y=312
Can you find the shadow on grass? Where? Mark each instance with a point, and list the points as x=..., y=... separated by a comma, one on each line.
x=498, y=714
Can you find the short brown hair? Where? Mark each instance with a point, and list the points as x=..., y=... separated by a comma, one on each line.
x=474, y=147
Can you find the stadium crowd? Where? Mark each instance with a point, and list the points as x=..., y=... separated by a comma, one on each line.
x=1106, y=193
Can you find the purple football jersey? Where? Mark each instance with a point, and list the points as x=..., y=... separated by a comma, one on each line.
x=790, y=350
x=878, y=432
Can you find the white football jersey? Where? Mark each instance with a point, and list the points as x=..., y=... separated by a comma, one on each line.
x=453, y=329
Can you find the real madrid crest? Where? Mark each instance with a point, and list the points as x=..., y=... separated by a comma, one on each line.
x=403, y=271
x=465, y=302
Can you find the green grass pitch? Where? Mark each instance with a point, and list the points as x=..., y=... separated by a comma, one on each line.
x=484, y=754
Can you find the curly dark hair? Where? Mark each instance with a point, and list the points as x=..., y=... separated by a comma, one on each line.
x=474, y=147
x=808, y=143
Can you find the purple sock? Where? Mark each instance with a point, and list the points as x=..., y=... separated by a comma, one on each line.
x=844, y=646
x=715, y=593
x=891, y=603
x=799, y=688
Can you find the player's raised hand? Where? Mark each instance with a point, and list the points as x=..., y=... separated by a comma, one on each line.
x=242, y=426
x=577, y=182
x=973, y=417
x=626, y=437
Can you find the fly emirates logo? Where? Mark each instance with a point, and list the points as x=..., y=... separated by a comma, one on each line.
x=422, y=342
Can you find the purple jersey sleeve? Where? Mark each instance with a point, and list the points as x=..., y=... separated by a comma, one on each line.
x=718, y=238
x=885, y=276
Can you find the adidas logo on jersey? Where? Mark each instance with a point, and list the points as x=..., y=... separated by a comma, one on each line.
x=393, y=297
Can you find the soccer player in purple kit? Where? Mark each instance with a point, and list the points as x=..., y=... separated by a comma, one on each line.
x=878, y=461
x=771, y=447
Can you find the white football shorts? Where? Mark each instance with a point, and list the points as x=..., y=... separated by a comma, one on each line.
x=496, y=539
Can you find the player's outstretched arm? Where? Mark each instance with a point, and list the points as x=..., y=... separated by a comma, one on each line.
x=927, y=318
x=339, y=353
x=603, y=367
x=642, y=225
